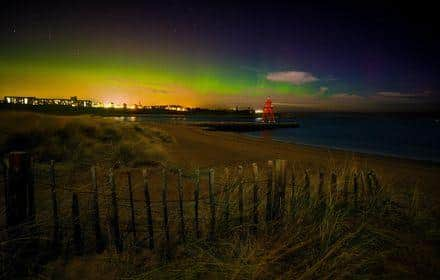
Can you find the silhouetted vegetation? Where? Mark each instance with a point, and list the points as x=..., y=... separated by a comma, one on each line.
x=344, y=223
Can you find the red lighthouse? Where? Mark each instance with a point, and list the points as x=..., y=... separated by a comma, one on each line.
x=268, y=115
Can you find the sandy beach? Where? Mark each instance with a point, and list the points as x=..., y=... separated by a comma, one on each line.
x=194, y=146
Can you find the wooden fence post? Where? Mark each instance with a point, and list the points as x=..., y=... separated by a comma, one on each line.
x=56, y=221
x=283, y=183
x=280, y=188
x=196, y=204
x=34, y=170
x=133, y=217
x=292, y=194
x=269, y=186
x=149, y=214
x=77, y=234
x=320, y=193
x=95, y=213
x=19, y=194
x=240, y=194
x=377, y=185
x=345, y=189
x=114, y=220
x=370, y=182
x=255, y=197
x=211, y=204
x=5, y=174
x=276, y=191
x=306, y=187
x=361, y=185
x=227, y=196
x=165, y=224
x=333, y=186
x=181, y=216
x=355, y=189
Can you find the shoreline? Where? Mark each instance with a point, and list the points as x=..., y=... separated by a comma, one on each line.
x=197, y=147
x=248, y=128
x=363, y=152
x=322, y=148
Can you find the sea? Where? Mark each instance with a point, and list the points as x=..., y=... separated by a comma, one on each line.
x=402, y=136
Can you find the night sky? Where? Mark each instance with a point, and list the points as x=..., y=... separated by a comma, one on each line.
x=316, y=56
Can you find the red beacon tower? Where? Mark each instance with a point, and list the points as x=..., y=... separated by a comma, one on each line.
x=268, y=115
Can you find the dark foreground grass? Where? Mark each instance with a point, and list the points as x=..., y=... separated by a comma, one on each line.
x=380, y=239
x=385, y=235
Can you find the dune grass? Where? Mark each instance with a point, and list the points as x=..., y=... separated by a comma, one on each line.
x=82, y=140
x=389, y=233
x=384, y=235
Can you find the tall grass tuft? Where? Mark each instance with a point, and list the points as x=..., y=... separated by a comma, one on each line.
x=82, y=140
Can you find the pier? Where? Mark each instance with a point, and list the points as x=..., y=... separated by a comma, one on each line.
x=245, y=126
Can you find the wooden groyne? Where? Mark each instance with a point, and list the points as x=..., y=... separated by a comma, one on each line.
x=245, y=126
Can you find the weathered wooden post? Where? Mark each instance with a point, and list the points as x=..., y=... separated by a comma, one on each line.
x=345, y=189
x=240, y=194
x=5, y=174
x=280, y=189
x=148, y=208
x=56, y=222
x=211, y=204
x=276, y=191
x=133, y=217
x=95, y=213
x=355, y=189
x=362, y=189
x=269, y=186
x=370, y=182
x=181, y=216
x=306, y=187
x=320, y=192
x=34, y=170
x=226, y=192
x=19, y=194
x=373, y=187
x=292, y=194
x=333, y=186
x=77, y=234
x=377, y=186
x=283, y=183
x=255, y=197
x=196, y=204
x=114, y=220
x=165, y=224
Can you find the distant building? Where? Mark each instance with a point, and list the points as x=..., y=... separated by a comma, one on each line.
x=167, y=108
x=35, y=101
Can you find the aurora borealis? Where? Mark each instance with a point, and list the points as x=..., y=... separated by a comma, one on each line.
x=217, y=55
x=152, y=79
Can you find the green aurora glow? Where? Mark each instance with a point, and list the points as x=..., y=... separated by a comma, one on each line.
x=149, y=78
